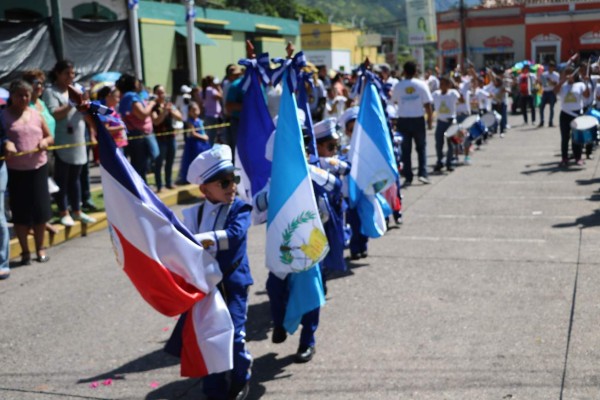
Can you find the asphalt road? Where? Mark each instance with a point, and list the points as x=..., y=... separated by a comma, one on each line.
x=488, y=291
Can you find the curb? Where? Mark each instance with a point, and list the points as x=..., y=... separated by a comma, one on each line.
x=180, y=194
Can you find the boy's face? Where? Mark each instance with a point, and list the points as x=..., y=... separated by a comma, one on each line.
x=327, y=149
x=350, y=127
x=222, y=190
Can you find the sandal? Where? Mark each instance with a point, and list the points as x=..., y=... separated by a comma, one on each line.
x=25, y=259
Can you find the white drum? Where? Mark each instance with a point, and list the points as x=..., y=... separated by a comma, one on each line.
x=489, y=119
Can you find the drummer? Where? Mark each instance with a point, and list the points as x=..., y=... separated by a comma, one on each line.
x=571, y=91
x=445, y=100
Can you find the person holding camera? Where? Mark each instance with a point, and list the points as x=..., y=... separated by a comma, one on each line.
x=164, y=114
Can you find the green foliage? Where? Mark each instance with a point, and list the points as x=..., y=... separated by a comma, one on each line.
x=310, y=14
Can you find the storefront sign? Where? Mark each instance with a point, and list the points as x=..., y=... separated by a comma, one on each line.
x=590, y=38
x=422, y=27
x=498, y=41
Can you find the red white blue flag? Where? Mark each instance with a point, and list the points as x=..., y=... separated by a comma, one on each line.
x=170, y=270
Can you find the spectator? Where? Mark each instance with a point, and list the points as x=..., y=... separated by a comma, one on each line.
x=110, y=96
x=163, y=115
x=527, y=92
x=136, y=114
x=549, y=80
x=26, y=130
x=212, y=95
x=233, y=105
x=195, y=141
x=70, y=130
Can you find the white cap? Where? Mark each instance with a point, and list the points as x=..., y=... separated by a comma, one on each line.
x=210, y=163
x=185, y=89
x=348, y=115
x=325, y=129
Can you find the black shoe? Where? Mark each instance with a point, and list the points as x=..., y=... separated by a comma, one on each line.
x=541, y=125
x=238, y=391
x=364, y=254
x=279, y=335
x=305, y=353
x=43, y=259
x=551, y=125
x=25, y=259
x=354, y=256
x=398, y=220
x=406, y=183
x=450, y=168
x=437, y=168
x=88, y=206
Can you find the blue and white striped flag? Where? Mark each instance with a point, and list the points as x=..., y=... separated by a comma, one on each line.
x=374, y=167
x=296, y=239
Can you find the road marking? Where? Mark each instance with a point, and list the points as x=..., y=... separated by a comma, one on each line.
x=472, y=239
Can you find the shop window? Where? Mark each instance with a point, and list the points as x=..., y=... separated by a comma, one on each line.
x=94, y=11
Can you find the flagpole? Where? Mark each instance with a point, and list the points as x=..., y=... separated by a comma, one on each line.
x=190, y=16
x=135, y=39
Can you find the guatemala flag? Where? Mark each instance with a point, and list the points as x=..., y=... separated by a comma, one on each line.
x=374, y=167
x=296, y=240
x=171, y=271
x=255, y=128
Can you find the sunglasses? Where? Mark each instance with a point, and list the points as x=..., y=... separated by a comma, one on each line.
x=332, y=146
x=225, y=183
x=36, y=82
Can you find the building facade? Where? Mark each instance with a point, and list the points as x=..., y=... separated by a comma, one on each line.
x=538, y=31
x=338, y=47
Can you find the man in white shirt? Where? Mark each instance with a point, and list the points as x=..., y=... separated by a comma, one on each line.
x=432, y=81
x=549, y=80
x=413, y=99
x=445, y=100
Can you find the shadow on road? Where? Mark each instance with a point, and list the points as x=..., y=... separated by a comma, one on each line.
x=259, y=321
x=587, y=182
x=267, y=368
x=549, y=168
x=586, y=221
x=155, y=360
x=184, y=389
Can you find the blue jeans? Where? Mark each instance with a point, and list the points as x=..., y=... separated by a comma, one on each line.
x=548, y=97
x=167, y=147
x=413, y=129
x=4, y=235
x=139, y=154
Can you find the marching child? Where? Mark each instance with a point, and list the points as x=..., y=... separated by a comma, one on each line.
x=220, y=223
x=445, y=100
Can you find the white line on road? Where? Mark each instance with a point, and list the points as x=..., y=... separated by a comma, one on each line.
x=472, y=239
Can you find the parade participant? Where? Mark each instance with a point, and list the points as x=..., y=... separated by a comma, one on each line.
x=526, y=81
x=195, y=140
x=588, y=102
x=432, y=81
x=413, y=100
x=445, y=101
x=498, y=91
x=358, y=241
x=549, y=80
x=571, y=92
x=220, y=223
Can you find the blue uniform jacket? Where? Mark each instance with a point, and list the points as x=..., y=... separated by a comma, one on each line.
x=236, y=227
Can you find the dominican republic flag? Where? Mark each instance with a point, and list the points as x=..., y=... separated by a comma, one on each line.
x=374, y=167
x=170, y=270
x=296, y=240
x=255, y=128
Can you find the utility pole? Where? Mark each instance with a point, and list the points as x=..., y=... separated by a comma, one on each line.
x=134, y=28
x=463, y=33
x=190, y=17
x=57, y=27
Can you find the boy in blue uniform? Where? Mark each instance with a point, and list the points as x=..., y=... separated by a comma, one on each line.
x=220, y=223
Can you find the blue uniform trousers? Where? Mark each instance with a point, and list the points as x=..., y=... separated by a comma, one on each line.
x=358, y=241
x=278, y=292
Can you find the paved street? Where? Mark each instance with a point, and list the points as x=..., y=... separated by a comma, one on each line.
x=488, y=291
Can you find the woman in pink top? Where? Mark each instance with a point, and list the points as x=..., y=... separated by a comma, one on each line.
x=26, y=131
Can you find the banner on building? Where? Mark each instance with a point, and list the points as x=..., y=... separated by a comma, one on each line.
x=422, y=27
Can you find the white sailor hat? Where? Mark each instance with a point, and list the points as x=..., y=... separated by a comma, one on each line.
x=348, y=115
x=326, y=129
x=211, y=164
x=185, y=89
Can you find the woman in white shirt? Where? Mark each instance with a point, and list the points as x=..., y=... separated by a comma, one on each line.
x=571, y=92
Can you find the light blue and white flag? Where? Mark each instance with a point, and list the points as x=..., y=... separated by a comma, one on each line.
x=374, y=167
x=296, y=239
